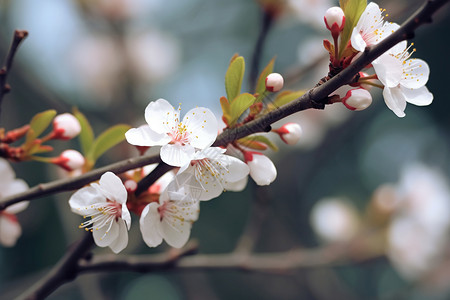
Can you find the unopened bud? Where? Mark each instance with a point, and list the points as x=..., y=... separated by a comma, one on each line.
x=65, y=127
x=262, y=169
x=357, y=99
x=290, y=133
x=334, y=20
x=274, y=82
x=70, y=160
x=130, y=185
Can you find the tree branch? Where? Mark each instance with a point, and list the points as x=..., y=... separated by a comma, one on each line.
x=317, y=97
x=64, y=271
x=62, y=185
x=19, y=36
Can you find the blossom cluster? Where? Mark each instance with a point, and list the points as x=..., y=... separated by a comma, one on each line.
x=402, y=78
x=168, y=208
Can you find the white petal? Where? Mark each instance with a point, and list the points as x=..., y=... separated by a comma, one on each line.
x=175, y=231
x=122, y=240
x=415, y=73
x=103, y=238
x=81, y=201
x=202, y=127
x=18, y=207
x=262, y=169
x=389, y=69
x=420, y=96
x=126, y=215
x=14, y=187
x=144, y=136
x=236, y=186
x=394, y=99
x=149, y=223
x=357, y=40
x=10, y=231
x=113, y=187
x=6, y=172
x=177, y=155
x=161, y=116
x=237, y=169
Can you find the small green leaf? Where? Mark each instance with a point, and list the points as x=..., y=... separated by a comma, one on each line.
x=264, y=140
x=261, y=85
x=225, y=109
x=239, y=106
x=284, y=98
x=107, y=140
x=38, y=124
x=86, y=136
x=234, y=77
x=352, y=10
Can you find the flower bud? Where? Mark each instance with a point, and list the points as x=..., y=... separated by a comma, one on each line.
x=130, y=185
x=262, y=169
x=334, y=20
x=274, y=82
x=70, y=160
x=290, y=133
x=65, y=127
x=357, y=99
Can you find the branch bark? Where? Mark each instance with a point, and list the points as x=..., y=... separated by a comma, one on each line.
x=19, y=36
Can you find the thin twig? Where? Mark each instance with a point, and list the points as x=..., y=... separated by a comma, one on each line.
x=64, y=271
x=19, y=36
x=69, y=184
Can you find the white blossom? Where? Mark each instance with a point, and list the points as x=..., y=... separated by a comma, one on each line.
x=262, y=169
x=210, y=173
x=197, y=130
x=105, y=204
x=170, y=218
x=10, y=229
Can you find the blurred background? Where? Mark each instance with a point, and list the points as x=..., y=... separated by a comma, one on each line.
x=375, y=182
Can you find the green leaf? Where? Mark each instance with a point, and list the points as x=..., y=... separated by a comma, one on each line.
x=234, y=77
x=225, y=109
x=107, y=140
x=261, y=85
x=352, y=10
x=239, y=106
x=86, y=136
x=264, y=140
x=38, y=124
x=284, y=98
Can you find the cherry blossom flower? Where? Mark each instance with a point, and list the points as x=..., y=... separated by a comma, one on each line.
x=420, y=221
x=404, y=80
x=262, y=169
x=105, y=204
x=334, y=219
x=179, y=139
x=170, y=219
x=371, y=28
x=211, y=172
x=10, y=229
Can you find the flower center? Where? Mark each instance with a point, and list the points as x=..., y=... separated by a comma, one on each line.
x=179, y=134
x=102, y=214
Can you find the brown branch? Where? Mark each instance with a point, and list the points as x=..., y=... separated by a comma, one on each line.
x=317, y=97
x=64, y=271
x=256, y=262
x=62, y=185
x=19, y=36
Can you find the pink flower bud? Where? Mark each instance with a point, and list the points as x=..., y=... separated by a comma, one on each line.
x=334, y=20
x=357, y=99
x=262, y=169
x=65, y=127
x=130, y=185
x=290, y=133
x=70, y=160
x=274, y=82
